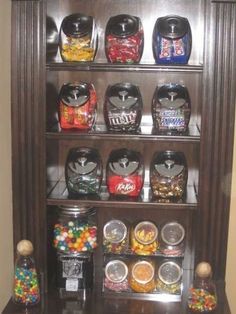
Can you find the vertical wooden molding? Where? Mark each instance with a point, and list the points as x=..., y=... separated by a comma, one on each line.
x=218, y=108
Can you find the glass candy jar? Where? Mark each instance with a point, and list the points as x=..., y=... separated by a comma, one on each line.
x=202, y=294
x=142, y=276
x=172, y=239
x=171, y=108
x=144, y=238
x=115, y=237
x=83, y=171
x=26, y=286
x=75, y=230
x=168, y=175
x=78, y=38
x=77, y=106
x=169, y=278
x=124, y=39
x=125, y=173
x=172, y=40
x=123, y=107
x=116, y=276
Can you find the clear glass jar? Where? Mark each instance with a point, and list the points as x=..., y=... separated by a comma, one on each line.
x=171, y=109
x=77, y=106
x=76, y=229
x=116, y=276
x=115, y=237
x=74, y=274
x=124, y=39
x=144, y=238
x=123, y=107
x=172, y=239
x=78, y=38
x=26, y=286
x=168, y=175
x=142, y=276
x=83, y=171
x=172, y=40
x=125, y=173
x=169, y=278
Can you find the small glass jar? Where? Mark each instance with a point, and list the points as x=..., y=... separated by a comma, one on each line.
x=169, y=278
x=116, y=276
x=172, y=40
x=202, y=295
x=26, y=286
x=168, y=175
x=144, y=238
x=172, y=239
x=171, y=108
x=83, y=171
x=78, y=38
x=77, y=106
x=123, y=107
x=142, y=276
x=124, y=39
x=125, y=173
x=115, y=237
x=75, y=230
x=74, y=274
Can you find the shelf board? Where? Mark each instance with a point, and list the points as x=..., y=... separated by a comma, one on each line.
x=58, y=195
x=112, y=67
x=145, y=132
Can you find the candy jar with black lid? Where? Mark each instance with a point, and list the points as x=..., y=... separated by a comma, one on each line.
x=76, y=229
x=116, y=275
x=26, y=286
x=123, y=107
x=142, y=276
x=125, y=173
x=168, y=175
x=77, y=106
x=78, y=38
x=115, y=237
x=169, y=278
x=172, y=40
x=202, y=295
x=83, y=171
x=144, y=238
x=172, y=237
x=124, y=39
x=74, y=275
x=171, y=108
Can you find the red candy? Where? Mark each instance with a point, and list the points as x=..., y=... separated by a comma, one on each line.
x=130, y=186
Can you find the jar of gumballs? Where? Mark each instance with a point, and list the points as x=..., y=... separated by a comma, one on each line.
x=202, y=295
x=26, y=286
x=75, y=230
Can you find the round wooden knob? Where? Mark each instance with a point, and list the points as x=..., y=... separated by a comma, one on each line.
x=25, y=247
x=203, y=270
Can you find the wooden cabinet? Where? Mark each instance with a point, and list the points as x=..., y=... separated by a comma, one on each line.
x=40, y=147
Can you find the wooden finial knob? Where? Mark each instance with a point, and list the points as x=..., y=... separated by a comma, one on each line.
x=203, y=270
x=25, y=247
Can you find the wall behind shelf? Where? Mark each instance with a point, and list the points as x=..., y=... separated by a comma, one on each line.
x=6, y=234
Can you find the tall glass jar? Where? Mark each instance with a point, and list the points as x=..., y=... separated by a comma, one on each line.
x=78, y=38
x=76, y=229
x=169, y=278
x=172, y=239
x=142, y=276
x=26, y=286
x=116, y=275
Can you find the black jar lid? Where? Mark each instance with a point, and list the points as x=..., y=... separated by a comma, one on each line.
x=115, y=231
x=172, y=233
x=169, y=163
x=75, y=210
x=75, y=94
x=116, y=271
x=172, y=26
x=124, y=162
x=172, y=96
x=77, y=25
x=123, y=95
x=123, y=25
x=169, y=272
x=83, y=160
